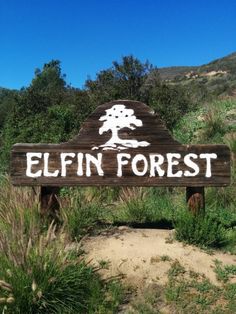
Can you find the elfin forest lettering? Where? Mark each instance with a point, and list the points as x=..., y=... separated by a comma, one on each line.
x=140, y=164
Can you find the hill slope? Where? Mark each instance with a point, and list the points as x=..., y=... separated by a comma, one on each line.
x=217, y=78
x=227, y=63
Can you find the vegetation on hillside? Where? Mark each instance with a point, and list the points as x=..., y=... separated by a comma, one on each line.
x=205, y=82
x=227, y=63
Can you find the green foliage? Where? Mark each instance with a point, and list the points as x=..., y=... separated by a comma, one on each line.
x=47, y=287
x=171, y=103
x=80, y=212
x=213, y=124
x=49, y=81
x=185, y=292
x=145, y=206
x=7, y=100
x=52, y=281
x=224, y=273
x=210, y=124
x=201, y=230
x=176, y=269
x=214, y=127
x=139, y=211
x=226, y=63
x=80, y=219
x=188, y=129
x=202, y=86
x=39, y=270
x=48, y=111
x=222, y=197
x=197, y=295
x=51, y=111
x=124, y=80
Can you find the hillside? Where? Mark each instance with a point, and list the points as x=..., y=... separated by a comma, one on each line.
x=227, y=64
x=170, y=73
x=207, y=81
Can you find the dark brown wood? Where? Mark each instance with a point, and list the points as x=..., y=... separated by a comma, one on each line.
x=220, y=167
x=49, y=203
x=195, y=198
x=89, y=141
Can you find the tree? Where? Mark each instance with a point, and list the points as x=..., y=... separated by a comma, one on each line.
x=124, y=80
x=49, y=78
x=43, y=112
x=131, y=74
x=116, y=118
x=7, y=100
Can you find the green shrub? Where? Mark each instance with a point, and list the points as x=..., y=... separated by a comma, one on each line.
x=221, y=197
x=54, y=281
x=171, y=103
x=81, y=211
x=188, y=128
x=214, y=127
x=47, y=286
x=201, y=230
x=39, y=270
x=151, y=206
x=213, y=123
x=139, y=211
x=81, y=219
x=224, y=273
x=186, y=293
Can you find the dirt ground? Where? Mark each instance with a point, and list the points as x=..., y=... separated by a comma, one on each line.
x=143, y=256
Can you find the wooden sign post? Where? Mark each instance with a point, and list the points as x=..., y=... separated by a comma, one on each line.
x=123, y=143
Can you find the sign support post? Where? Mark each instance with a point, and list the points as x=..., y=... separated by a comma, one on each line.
x=49, y=204
x=195, y=198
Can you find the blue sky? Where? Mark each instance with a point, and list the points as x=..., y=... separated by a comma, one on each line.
x=86, y=36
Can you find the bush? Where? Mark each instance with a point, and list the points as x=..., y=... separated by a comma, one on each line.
x=47, y=285
x=51, y=280
x=221, y=197
x=201, y=230
x=214, y=124
x=171, y=103
x=81, y=211
x=141, y=205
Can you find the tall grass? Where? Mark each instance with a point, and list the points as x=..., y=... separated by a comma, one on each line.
x=39, y=271
x=145, y=206
x=51, y=278
x=81, y=210
x=214, y=127
x=209, y=124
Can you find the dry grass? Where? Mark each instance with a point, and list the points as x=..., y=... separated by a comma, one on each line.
x=19, y=220
x=132, y=193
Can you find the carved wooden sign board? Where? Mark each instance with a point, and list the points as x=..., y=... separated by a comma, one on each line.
x=122, y=143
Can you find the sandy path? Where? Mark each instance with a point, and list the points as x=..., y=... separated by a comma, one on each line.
x=136, y=253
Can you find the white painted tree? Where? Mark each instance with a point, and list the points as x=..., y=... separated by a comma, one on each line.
x=116, y=118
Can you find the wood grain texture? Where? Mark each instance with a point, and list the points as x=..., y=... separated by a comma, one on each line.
x=195, y=198
x=152, y=131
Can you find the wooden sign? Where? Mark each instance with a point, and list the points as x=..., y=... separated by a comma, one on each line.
x=122, y=143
